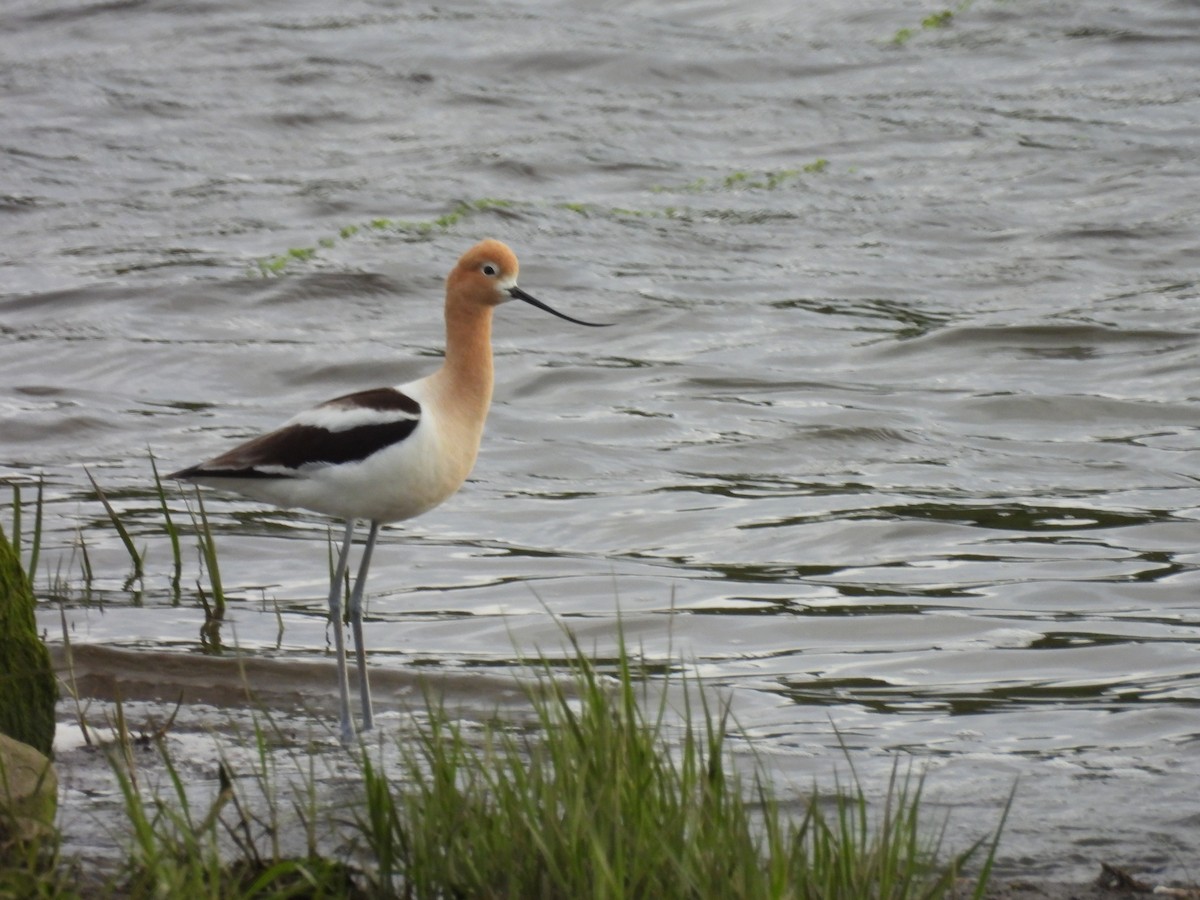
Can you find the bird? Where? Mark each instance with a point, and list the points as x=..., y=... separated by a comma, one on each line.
x=385, y=454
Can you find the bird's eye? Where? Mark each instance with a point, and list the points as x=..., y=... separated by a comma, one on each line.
x=490, y=270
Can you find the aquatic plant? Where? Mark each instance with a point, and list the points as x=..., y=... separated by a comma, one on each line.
x=35, y=537
x=941, y=19
x=168, y=527
x=274, y=265
x=213, y=601
x=463, y=210
x=136, y=557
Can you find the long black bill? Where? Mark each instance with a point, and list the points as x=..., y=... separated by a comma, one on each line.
x=518, y=294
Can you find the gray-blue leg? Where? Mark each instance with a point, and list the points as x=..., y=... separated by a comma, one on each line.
x=356, y=627
x=339, y=636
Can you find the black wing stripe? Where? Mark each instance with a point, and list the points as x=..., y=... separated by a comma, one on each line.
x=301, y=445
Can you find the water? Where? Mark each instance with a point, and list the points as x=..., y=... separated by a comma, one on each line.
x=899, y=415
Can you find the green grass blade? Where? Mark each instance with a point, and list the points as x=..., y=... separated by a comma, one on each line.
x=214, y=612
x=16, y=517
x=35, y=544
x=985, y=873
x=169, y=528
x=134, y=556
x=211, y=562
x=85, y=561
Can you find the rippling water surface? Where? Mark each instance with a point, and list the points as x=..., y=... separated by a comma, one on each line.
x=899, y=416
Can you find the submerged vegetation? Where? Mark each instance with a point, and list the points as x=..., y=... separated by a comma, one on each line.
x=610, y=789
x=941, y=19
x=739, y=180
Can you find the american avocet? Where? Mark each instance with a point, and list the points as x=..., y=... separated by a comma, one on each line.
x=385, y=454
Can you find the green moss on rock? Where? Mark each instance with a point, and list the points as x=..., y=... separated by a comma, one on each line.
x=28, y=690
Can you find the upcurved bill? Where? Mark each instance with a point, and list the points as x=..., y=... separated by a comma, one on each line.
x=518, y=294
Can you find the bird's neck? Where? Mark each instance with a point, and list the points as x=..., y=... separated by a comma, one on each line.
x=466, y=374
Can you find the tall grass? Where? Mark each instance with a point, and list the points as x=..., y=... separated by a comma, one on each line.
x=602, y=798
x=223, y=849
x=607, y=792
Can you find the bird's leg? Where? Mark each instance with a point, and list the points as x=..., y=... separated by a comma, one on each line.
x=356, y=627
x=339, y=636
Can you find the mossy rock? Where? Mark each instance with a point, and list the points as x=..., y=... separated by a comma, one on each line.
x=28, y=794
x=28, y=690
